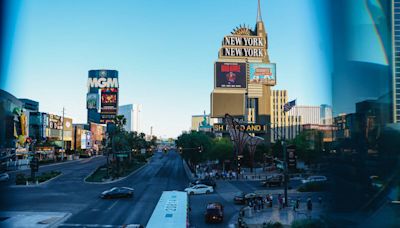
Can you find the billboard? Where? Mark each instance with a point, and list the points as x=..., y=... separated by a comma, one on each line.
x=109, y=104
x=83, y=140
x=230, y=75
x=263, y=73
x=92, y=100
x=55, y=122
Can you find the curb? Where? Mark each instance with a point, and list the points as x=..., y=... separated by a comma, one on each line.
x=36, y=185
x=113, y=181
x=189, y=174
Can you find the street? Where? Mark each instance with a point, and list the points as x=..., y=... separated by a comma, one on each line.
x=69, y=193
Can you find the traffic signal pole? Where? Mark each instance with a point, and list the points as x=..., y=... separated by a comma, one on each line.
x=285, y=175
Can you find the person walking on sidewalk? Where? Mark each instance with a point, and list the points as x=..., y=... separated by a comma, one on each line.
x=309, y=208
x=297, y=203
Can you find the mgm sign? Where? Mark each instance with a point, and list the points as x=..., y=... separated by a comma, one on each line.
x=250, y=128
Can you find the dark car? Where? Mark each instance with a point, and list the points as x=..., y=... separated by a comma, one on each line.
x=117, y=192
x=214, y=213
x=209, y=182
x=273, y=180
x=239, y=198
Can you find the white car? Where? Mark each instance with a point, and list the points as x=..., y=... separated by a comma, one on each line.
x=199, y=189
x=314, y=179
x=4, y=177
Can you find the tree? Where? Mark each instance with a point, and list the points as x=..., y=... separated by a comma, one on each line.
x=190, y=142
x=222, y=150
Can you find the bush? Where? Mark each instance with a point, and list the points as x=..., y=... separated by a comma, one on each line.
x=273, y=225
x=309, y=223
x=312, y=187
x=20, y=179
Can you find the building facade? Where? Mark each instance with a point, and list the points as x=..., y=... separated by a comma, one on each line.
x=132, y=114
x=396, y=59
x=283, y=124
x=243, y=77
x=198, y=122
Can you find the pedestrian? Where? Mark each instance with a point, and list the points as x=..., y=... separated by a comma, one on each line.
x=309, y=207
x=271, y=200
x=262, y=203
x=298, y=203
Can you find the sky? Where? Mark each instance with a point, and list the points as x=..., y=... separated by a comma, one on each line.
x=164, y=52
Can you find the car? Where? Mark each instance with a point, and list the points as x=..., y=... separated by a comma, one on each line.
x=239, y=198
x=214, y=213
x=117, y=192
x=199, y=189
x=209, y=182
x=314, y=179
x=273, y=180
x=4, y=177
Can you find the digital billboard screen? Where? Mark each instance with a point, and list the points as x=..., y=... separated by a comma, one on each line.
x=230, y=75
x=109, y=104
x=263, y=73
x=108, y=98
x=92, y=101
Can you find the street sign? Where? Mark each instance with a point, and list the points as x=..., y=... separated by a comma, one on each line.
x=122, y=155
x=291, y=157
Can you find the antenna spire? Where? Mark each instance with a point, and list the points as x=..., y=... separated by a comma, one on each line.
x=259, y=18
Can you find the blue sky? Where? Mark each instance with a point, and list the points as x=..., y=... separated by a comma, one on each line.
x=164, y=52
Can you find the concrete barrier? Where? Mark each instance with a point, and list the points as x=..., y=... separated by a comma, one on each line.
x=189, y=173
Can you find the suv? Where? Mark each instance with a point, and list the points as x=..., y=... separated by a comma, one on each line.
x=214, y=213
x=273, y=180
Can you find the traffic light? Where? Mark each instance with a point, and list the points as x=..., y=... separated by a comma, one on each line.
x=200, y=149
x=180, y=150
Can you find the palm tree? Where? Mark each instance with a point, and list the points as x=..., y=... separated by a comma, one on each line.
x=120, y=121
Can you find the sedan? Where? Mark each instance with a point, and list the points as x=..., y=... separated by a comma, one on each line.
x=199, y=189
x=117, y=192
x=314, y=179
x=4, y=177
x=239, y=198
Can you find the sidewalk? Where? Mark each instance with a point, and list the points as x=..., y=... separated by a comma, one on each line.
x=32, y=219
x=284, y=216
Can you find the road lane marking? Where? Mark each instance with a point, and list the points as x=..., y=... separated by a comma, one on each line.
x=112, y=205
x=87, y=225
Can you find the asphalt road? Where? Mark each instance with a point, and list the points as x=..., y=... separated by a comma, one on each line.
x=69, y=193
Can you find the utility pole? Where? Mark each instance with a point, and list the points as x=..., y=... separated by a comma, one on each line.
x=62, y=135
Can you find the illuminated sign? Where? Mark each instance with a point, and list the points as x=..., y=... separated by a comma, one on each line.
x=230, y=75
x=252, y=128
x=262, y=73
x=243, y=46
x=92, y=101
x=103, y=82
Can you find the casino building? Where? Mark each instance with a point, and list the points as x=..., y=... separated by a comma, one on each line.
x=243, y=79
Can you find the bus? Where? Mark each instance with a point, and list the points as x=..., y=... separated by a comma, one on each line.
x=171, y=211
